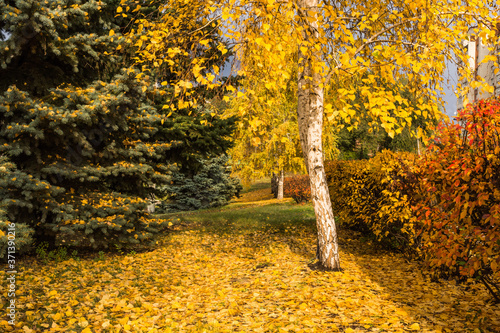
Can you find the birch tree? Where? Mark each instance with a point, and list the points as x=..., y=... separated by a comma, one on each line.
x=267, y=137
x=310, y=119
x=338, y=42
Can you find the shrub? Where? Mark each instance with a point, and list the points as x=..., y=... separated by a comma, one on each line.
x=211, y=186
x=297, y=187
x=457, y=199
x=367, y=195
x=343, y=178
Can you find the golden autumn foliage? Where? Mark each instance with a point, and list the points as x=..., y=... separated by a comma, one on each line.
x=360, y=50
x=178, y=43
x=267, y=137
x=367, y=195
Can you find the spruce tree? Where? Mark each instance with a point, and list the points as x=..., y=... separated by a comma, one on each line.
x=88, y=137
x=212, y=186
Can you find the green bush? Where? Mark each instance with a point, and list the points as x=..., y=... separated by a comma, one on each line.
x=211, y=186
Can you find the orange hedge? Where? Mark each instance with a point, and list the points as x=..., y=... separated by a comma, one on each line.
x=297, y=187
x=457, y=197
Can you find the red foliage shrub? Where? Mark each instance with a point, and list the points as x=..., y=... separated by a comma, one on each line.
x=297, y=187
x=457, y=198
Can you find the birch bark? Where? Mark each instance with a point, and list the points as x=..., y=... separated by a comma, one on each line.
x=310, y=121
x=281, y=179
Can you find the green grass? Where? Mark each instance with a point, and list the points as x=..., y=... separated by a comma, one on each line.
x=257, y=185
x=277, y=218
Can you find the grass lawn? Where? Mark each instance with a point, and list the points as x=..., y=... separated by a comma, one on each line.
x=246, y=267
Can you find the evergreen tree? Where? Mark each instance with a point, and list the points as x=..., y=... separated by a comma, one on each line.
x=212, y=186
x=87, y=136
x=20, y=234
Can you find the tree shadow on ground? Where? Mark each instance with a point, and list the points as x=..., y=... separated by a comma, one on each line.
x=434, y=304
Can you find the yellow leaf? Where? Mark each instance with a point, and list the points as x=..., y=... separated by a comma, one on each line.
x=401, y=312
x=303, y=306
x=308, y=323
x=87, y=330
x=119, y=9
x=415, y=327
x=111, y=33
x=349, y=330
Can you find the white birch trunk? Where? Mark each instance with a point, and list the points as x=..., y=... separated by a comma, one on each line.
x=281, y=179
x=310, y=121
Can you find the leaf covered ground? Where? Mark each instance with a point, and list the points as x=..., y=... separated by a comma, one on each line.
x=248, y=267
